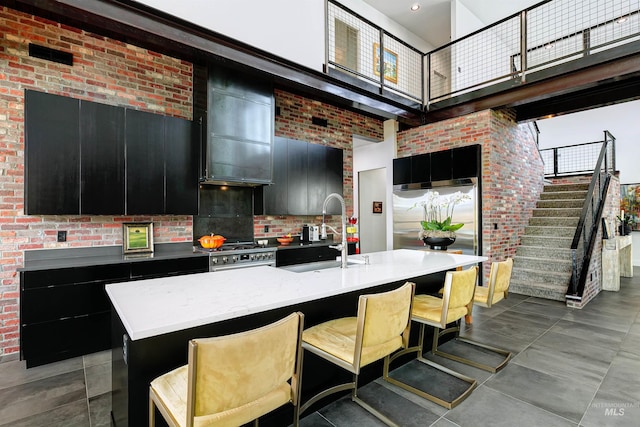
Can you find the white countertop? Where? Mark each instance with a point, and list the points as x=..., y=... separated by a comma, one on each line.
x=157, y=306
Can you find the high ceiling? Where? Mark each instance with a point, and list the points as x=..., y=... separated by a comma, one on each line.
x=432, y=22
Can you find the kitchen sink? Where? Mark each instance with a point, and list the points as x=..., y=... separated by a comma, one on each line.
x=319, y=265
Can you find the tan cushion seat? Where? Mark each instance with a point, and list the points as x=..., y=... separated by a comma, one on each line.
x=482, y=296
x=430, y=308
x=338, y=338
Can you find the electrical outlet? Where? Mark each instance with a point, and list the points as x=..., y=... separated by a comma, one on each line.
x=62, y=236
x=266, y=228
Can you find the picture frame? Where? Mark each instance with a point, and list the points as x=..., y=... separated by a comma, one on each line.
x=377, y=207
x=390, y=62
x=137, y=237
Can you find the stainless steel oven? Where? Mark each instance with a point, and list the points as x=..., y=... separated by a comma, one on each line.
x=234, y=256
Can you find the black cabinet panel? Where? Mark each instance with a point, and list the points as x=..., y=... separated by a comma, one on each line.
x=101, y=159
x=64, y=276
x=402, y=171
x=170, y=267
x=275, y=196
x=65, y=312
x=52, y=341
x=52, y=163
x=421, y=168
x=334, y=177
x=441, y=165
x=297, y=179
x=182, y=153
x=145, y=163
x=466, y=161
x=316, y=177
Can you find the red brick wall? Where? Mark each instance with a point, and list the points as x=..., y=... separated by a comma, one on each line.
x=294, y=121
x=512, y=171
x=105, y=71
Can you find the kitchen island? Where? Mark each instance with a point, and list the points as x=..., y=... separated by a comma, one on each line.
x=152, y=320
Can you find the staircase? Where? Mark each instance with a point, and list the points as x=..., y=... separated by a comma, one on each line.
x=542, y=265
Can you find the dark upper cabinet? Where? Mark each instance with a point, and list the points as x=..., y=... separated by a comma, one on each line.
x=304, y=174
x=402, y=170
x=441, y=165
x=52, y=154
x=421, y=168
x=182, y=151
x=297, y=180
x=101, y=159
x=457, y=163
x=276, y=196
x=465, y=161
x=145, y=163
x=334, y=165
x=316, y=177
x=240, y=125
x=80, y=154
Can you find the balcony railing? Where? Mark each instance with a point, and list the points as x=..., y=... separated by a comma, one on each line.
x=551, y=33
x=576, y=159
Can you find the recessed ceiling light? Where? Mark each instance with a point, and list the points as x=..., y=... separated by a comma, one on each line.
x=621, y=20
x=549, y=46
x=415, y=7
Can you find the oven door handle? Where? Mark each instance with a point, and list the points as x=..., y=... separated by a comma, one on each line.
x=237, y=266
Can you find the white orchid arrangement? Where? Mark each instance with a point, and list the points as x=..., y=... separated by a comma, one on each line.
x=438, y=211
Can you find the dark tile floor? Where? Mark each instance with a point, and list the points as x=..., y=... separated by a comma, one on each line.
x=570, y=368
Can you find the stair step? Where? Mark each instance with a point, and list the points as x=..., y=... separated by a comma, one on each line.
x=558, y=265
x=549, y=230
x=560, y=203
x=540, y=221
x=566, y=187
x=547, y=241
x=562, y=212
x=543, y=252
x=551, y=279
x=539, y=290
x=565, y=195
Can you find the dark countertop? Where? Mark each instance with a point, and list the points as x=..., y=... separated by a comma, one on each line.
x=47, y=259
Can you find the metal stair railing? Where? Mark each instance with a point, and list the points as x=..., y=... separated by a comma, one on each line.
x=585, y=236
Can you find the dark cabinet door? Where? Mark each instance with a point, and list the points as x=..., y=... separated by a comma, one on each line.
x=402, y=171
x=466, y=161
x=181, y=145
x=334, y=177
x=101, y=159
x=52, y=162
x=316, y=178
x=297, y=179
x=421, y=168
x=144, y=163
x=441, y=165
x=276, y=195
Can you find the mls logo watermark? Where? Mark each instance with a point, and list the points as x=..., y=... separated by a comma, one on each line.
x=615, y=409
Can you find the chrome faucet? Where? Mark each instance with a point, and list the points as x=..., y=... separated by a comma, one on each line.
x=342, y=247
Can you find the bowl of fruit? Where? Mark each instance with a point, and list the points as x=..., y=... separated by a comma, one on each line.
x=285, y=240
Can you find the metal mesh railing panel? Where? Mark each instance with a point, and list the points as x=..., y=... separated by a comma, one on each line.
x=573, y=159
x=353, y=47
x=475, y=61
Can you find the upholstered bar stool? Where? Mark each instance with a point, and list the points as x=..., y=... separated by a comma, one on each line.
x=486, y=296
x=233, y=379
x=380, y=328
x=456, y=303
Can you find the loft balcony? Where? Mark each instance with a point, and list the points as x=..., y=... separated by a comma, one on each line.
x=557, y=56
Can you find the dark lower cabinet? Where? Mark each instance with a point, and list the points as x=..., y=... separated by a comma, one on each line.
x=65, y=312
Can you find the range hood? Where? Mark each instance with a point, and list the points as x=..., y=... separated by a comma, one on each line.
x=240, y=128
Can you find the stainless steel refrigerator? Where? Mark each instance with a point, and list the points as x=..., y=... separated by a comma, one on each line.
x=407, y=215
